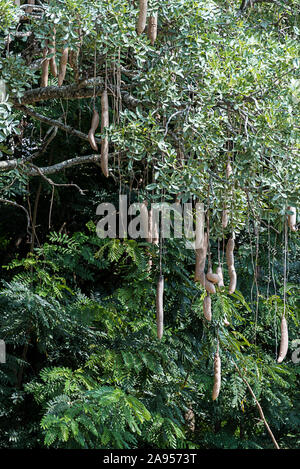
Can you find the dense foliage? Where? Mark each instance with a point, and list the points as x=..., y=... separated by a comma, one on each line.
x=84, y=367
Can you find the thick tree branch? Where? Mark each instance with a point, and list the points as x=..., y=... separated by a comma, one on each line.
x=249, y=3
x=64, y=165
x=55, y=123
x=85, y=89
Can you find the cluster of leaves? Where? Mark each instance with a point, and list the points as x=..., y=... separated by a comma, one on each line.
x=99, y=376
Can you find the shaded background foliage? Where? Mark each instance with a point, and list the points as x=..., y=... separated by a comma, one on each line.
x=84, y=367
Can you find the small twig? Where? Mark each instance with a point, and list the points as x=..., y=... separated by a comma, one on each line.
x=258, y=406
x=54, y=184
x=11, y=202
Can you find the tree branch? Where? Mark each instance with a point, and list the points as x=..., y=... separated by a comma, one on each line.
x=11, y=202
x=249, y=3
x=55, y=123
x=85, y=89
x=64, y=165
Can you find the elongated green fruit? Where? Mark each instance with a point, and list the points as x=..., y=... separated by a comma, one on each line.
x=160, y=307
x=217, y=376
x=284, y=341
x=142, y=16
x=207, y=307
x=91, y=134
x=104, y=124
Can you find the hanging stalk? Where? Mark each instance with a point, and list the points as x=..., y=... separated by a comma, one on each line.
x=160, y=307
x=104, y=124
x=53, y=66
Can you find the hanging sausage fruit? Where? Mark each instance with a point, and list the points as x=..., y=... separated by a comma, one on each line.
x=63, y=66
x=52, y=52
x=292, y=218
x=152, y=29
x=160, y=307
x=230, y=265
x=143, y=4
x=45, y=68
x=104, y=142
x=217, y=375
x=91, y=134
x=284, y=341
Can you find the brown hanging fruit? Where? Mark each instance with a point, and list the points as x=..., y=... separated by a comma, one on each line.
x=30, y=9
x=292, y=219
x=233, y=279
x=160, y=307
x=45, y=69
x=224, y=218
x=63, y=66
x=189, y=418
x=155, y=230
x=201, y=259
x=207, y=307
x=230, y=264
x=214, y=278
x=91, y=134
x=220, y=274
x=53, y=66
x=217, y=375
x=142, y=16
x=152, y=28
x=284, y=342
x=104, y=124
x=228, y=170
x=209, y=286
